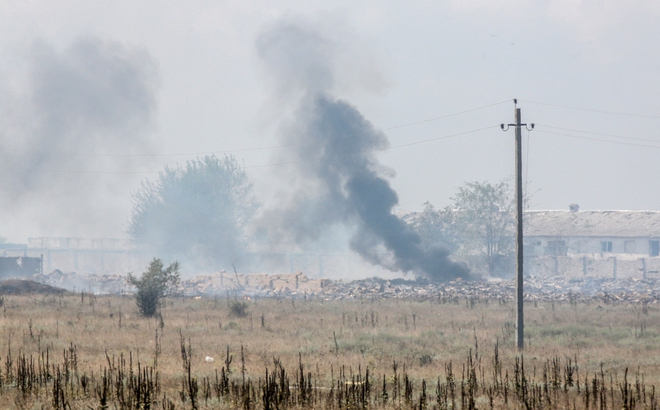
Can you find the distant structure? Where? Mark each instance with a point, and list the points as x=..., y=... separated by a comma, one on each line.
x=112, y=256
x=562, y=233
x=100, y=256
x=19, y=266
x=614, y=244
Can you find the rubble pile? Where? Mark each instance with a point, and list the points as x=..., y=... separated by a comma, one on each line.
x=298, y=285
x=632, y=290
x=260, y=284
x=536, y=288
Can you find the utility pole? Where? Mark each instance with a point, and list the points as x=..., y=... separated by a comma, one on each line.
x=520, y=322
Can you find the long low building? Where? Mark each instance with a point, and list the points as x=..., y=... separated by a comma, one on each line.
x=574, y=232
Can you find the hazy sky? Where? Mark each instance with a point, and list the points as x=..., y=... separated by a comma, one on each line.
x=178, y=79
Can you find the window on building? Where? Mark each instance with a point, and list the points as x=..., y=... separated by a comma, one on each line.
x=629, y=247
x=654, y=248
x=606, y=246
x=556, y=248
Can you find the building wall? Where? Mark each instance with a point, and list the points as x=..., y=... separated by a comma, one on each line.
x=85, y=261
x=88, y=261
x=546, y=245
x=608, y=266
x=78, y=243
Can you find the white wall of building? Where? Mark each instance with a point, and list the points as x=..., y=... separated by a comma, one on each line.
x=546, y=245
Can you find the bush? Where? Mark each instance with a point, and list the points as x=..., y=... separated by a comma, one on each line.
x=238, y=308
x=155, y=284
x=425, y=358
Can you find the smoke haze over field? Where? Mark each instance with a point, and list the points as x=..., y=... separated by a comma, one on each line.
x=338, y=179
x=78, y=77
x=66, y=113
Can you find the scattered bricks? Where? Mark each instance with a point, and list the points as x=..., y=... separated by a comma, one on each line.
x=537, y=288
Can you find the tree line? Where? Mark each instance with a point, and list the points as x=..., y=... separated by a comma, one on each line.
x=478, y=226
x=199, y=212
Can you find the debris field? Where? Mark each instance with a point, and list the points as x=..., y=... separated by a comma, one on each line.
x=298, y=285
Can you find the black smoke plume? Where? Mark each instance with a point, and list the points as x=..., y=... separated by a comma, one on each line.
x=339, y=180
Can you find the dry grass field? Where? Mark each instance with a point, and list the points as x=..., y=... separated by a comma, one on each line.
x=84, y=351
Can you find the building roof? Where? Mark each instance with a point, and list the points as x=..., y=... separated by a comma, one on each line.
x=592, y=223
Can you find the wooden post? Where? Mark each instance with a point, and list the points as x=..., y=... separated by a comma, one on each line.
x=644, y=268
x=520, y=322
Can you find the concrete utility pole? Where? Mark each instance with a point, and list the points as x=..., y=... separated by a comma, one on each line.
x=520, y=322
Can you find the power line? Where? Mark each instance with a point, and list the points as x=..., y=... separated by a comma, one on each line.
x=431, y=140
x=279, y=145
x=296, y=162
x=592, y=110
x=394, y=146
x=599, y=139
x=601, y=134
x=447, y=116
x=526, y=162
x=58, y=171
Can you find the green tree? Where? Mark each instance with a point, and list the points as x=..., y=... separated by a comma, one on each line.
x=480, y=222
x=436, y=227
x=485, y=218
x=155, y=284
x=196, y=213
